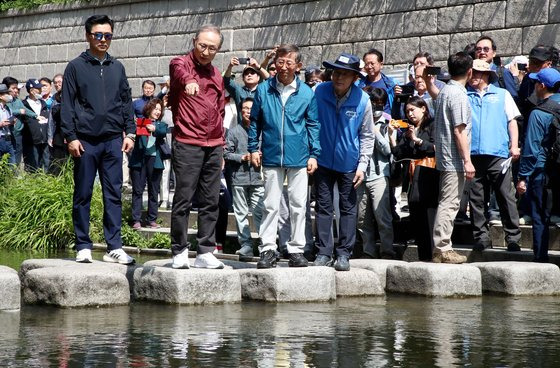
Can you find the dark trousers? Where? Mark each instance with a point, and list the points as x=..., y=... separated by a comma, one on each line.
x=324, y=186
x=7, y=147
x=105, y=158
x=197, y=169
x=18, y=145
x=422, y=222
x=489, y=174
x=36, y=156
x=537, y=197
x=59, y=156
x=139, y=176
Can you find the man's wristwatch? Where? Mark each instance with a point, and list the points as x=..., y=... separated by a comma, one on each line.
x=131, y=136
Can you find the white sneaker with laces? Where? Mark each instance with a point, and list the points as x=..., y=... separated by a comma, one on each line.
x=84, y=256
x=207, y=260
x=181, y=260
x=118, y=256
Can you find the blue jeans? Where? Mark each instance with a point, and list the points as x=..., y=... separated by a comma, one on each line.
x=7, y=147
x=537, y=197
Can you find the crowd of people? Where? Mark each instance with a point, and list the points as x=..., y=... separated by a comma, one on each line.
x=345, y=139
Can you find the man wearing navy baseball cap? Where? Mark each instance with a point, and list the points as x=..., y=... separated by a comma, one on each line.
x=347, y=139
x=539, y=160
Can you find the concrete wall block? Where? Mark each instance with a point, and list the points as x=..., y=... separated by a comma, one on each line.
x=7, y=24
x=12, y=56
x=157, y=45
x=75, y=49
x=507, y=41
x=342, y=9
x=243, y=39
x=311, y=55
x=181, y=7
x=292, y=13
x=18, y=72
x=141, y=10
x=228, y=40
x=554, y=11
x=392, y=6
x=526, y=13
x=369, y=7
x=33, y=71
x=459, y=2
x=242, y=4
x=387, y=26
x=121, y=13
x=458, y=41
x=131, y=28
x=360, y=48
x=547, y=35
x=401, y=50
x=2, y=57
x=27, y=55
x=455, y=19
x=438, y=46
x=317, y=10
x=56, y=53
x=163, y=65
x=216, y=5
x=177, y=44
x=60, y=67
x=6, y=39
x=428, y=4
x=331, y=52
x=256, y=17
x=420, y=23
x=129, y=67
x=489, y=15
x=233, y=19
x=139, y=47
x=119, y=47
x=266, y=38
x=355, y=29
x=298, y=34
x=48, y=70
x=324, y=32
x=74, y=34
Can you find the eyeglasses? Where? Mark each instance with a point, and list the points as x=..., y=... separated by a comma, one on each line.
x=280, y=63
x=480, y=49
x=203, y=46
x=99, y=36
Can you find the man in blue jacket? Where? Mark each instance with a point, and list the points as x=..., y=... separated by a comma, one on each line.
x=533, y=175
x=373, y=64
x=97, y=110
x=284, y=115
x=347, y=139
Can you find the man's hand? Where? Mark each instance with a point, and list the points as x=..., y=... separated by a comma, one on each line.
x=311, y=165
x=127, y=145
x=192, y=89
x=42, y=119
x=514, y=152
x=234, y=61
x=4, y=123
x=256, y=159
x=358, y=178
x=246, y=157
x=521, y=187
x=150, y=128
x=398, y=89
x=75, y=148
x=469, y=170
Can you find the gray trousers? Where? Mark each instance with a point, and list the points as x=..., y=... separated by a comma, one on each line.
x=451, y=185
x=247, y=198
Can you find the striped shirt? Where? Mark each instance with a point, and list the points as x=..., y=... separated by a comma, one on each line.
x=452, y=109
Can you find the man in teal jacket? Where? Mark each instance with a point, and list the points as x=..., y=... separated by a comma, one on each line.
x=284, y=115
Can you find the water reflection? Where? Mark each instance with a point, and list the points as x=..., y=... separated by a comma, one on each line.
x=396, y=331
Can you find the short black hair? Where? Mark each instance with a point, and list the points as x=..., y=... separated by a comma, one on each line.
x=378, y=94
x=8, y=81
x=148, y=81
x=98, y=19
x=485, y=37
x=45, y=79
x=286, y=49
x=427, y=55
x=247, y=99
x=375, y=52
x=469, y=49
x=459, y=64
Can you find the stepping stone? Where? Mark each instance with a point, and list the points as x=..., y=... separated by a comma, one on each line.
x=520, y=278
x=168, y=262
x=379, y=266
x=157, y=281
x=10, y=289
x=358, y=282
x=77, y=285
x=289, y=284
x=432, y=279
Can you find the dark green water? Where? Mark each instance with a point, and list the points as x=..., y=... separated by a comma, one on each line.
x=394, y=331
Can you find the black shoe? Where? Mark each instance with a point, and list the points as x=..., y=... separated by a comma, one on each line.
x=388, y=255
x=479, y=247
x=268, y=259
x=342, y=264
x=323, y=260
x=297, y=260
x=513, y=247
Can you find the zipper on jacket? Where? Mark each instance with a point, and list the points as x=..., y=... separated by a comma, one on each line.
x=282, y=134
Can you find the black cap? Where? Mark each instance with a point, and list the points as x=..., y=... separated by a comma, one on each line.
x=542, y=53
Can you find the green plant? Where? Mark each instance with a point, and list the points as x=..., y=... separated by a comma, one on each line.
x=160, y=241
x=132, y=238
x=27, y=4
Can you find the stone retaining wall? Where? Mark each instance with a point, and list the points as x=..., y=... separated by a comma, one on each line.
x=148, y=34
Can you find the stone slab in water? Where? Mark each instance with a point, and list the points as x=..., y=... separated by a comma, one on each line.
x=520, y=278
x=10, y=294
x=432, y=279
x=379, y=266
x=77, y=285
x=168, y=262
x=358, y=282
x=157, y=281
x=289, y=284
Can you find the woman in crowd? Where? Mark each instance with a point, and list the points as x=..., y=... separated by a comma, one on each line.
x=417, y=144
x=146, y=164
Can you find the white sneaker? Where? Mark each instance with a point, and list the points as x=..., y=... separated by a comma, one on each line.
x=118, y=256
x=554, y=219
x=525, y=220
x=181, y=260
x=207, y=260
x=84, y=256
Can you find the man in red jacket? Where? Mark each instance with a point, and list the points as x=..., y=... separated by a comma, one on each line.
x=197, y=102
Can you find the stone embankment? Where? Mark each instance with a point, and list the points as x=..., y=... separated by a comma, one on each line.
x=65, y=283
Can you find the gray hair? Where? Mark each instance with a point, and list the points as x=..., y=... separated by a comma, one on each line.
x=210, y=28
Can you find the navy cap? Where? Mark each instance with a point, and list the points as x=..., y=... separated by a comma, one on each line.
x=344, y=61
x=33, y=83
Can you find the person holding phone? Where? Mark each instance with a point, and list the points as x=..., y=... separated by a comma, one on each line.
x=6, y=125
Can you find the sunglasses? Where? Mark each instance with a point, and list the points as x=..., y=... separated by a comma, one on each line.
x=485, y=49
x=99, y=36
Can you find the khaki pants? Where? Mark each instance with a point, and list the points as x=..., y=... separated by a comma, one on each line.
x=451, y=185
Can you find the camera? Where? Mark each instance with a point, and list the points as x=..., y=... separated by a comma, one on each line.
x=522, y=67
x=433, y=70
x=400, y=124
x=407, y=91
x=243, y=60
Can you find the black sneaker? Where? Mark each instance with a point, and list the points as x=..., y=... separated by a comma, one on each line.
x=479, y=247
x=513, y=247
x=323, y=260
x=297, y=260
x=342, y=264
x=268, y=259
